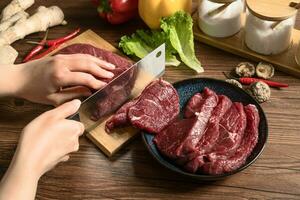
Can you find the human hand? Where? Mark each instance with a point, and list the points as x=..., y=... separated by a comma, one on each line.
x=55, y=80
x=49, y=138
x=46, y=141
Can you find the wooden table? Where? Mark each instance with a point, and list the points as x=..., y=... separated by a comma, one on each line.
x=133, y=173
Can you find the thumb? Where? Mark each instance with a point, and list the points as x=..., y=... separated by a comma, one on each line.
x=67, y=109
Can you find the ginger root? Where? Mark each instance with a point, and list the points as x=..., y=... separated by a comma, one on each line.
x=8, y=54
x=40, y=21
x=18, y=17
x=14, y=7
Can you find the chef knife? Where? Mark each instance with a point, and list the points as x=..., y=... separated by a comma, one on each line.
x=108, y=99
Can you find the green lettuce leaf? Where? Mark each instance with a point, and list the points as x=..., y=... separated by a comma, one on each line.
x=176, y=33
x=179, y=28
x=144, y=41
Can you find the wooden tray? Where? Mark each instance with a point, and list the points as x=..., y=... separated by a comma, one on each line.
x=235, y=44
x=108, y=143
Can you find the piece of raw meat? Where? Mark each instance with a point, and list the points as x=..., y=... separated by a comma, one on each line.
x=180, y=139
x=249, y=141
x=196, y=102
x=173, y=136
x=119, y=119
x=156, y=108
x=231, y=128
x=209, y=138
x=210, y=101
x=120, y=62
x=115, y=95
x=121, y=91
x=152, y=111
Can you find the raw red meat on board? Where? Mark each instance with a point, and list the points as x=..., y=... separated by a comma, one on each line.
x=120, y=62
x=122, y=89
x=225, y=141
x=152, y=111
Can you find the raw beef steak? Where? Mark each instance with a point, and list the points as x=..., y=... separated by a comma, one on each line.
x=173, y=136
x=249, y=141
x=157, y=106
x=119, y=119
x=216, y=136
x=209, y=102
x=152, y=111
x=196, y=102
x=232, y=127
x=209, y=138
x=184, y=135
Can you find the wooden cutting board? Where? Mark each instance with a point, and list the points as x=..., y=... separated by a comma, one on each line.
x=108, y=143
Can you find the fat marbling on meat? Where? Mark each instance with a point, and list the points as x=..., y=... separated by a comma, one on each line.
x=152, y=111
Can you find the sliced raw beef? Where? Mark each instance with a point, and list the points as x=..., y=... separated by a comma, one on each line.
x=222, y=165
x=210, y=101
x=180, y=139
x=196, y=102
x=156, y=108
x=116, y=95
x=152, y=111
x=232, y=127
x=119, y=119
x=122, y=89
x=212, y=132
x=210, y=136
x=173, y=136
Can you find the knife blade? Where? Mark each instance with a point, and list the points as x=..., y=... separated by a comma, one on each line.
x=108, y=99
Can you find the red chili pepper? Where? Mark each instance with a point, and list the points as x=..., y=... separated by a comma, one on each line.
x=41, y=55
x=51, y=44
x=117, y=11
x=37, y=49
x=33, y=52
x=248, y=81
x=63, y=39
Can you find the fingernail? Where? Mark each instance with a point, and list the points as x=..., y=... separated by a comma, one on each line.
x=111, y=65
x=77, y=102
x=100, y=84
x=110, y=75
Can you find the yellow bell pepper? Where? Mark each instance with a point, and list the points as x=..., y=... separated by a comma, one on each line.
x=151, y=11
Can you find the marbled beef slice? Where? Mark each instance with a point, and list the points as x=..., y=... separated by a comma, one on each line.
x=250, y=138
x=180, y=139
x=152, y=111
x=156, y=108
x=209, y=138
x=203, y=115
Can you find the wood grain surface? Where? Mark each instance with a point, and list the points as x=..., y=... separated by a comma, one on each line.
x=133, y=173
